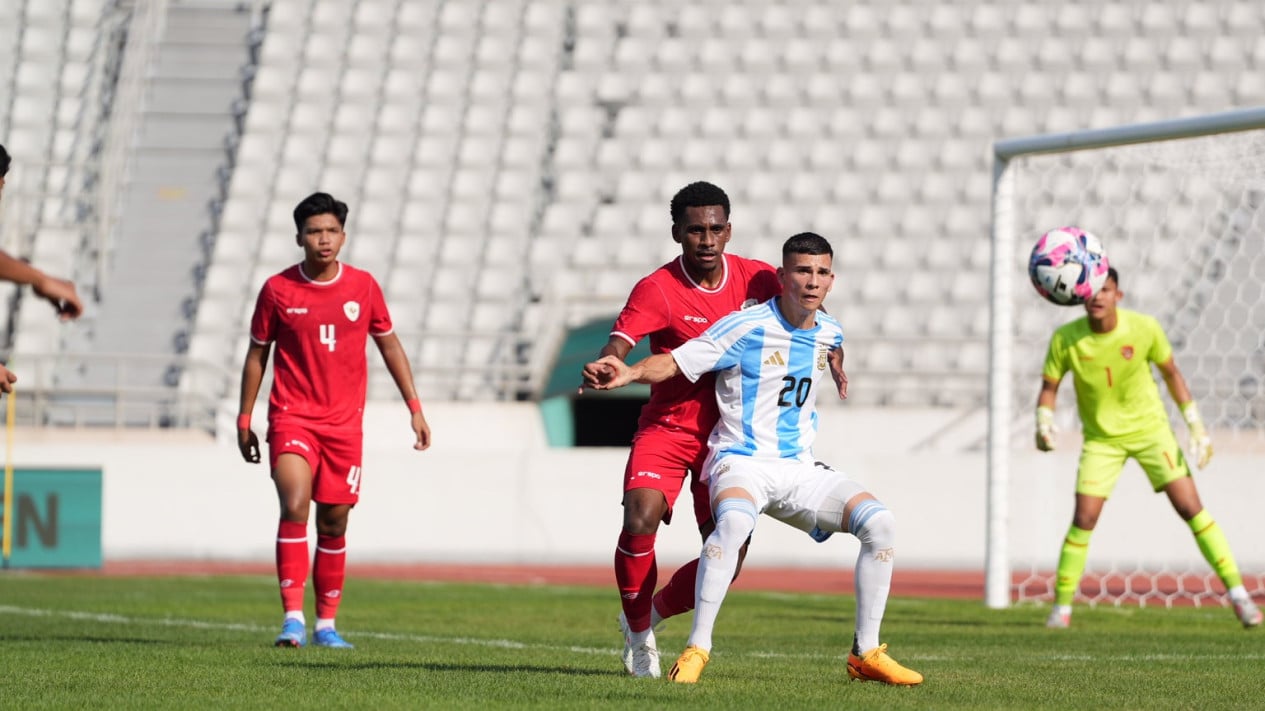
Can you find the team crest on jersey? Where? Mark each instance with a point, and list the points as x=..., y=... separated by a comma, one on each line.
x=822, y=350
x=352, y=309
x=1126, y=352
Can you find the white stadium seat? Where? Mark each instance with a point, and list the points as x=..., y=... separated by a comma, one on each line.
x=1115, y=20
x=1158, y=21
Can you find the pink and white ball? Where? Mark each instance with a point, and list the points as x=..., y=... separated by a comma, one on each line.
x=1068, y=266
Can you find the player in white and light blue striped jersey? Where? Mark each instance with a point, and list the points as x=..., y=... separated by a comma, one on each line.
x=766, y=385
x=769, y=361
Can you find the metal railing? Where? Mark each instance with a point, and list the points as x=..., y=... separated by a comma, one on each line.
x=96, y=390
x=143, y=32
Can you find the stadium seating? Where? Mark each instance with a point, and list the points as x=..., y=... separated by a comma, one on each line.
x=52, y=72
x=516, y=157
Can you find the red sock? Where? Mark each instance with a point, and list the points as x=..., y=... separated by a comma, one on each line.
x=636, y=575
x=292, y=563
x=678, y=595
x=328, y=573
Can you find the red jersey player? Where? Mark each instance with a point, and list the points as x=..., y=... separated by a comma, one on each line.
x=319, y=313
x=671, y=305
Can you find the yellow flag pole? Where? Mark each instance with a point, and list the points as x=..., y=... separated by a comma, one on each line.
x=9, y=493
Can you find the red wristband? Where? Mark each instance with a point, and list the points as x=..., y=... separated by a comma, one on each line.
x=414, y=406
x=243, y=422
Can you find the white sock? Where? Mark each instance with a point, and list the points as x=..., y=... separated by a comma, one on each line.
x=296, y=615
x=655, y=618
x=1063, y=609
x=324, y=624
x=875, y=527
x=735, y=520
x=645, y=636
x=1238, y=593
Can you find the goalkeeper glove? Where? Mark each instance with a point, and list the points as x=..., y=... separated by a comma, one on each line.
x=1045, y=429
x=1200, y=442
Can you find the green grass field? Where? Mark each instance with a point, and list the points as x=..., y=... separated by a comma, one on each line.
x=197, y=642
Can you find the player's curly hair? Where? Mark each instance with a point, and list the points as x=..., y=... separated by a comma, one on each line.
x=5, y=160
x=319, y=204
x=697, y=194
x=806, y=243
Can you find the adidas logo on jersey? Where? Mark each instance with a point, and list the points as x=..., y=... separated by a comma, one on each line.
x=775, y=359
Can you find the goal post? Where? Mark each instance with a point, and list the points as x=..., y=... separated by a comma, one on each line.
x=1175, y=203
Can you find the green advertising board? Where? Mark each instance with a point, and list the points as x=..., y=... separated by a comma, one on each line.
x=56, y=518
x=580, y=346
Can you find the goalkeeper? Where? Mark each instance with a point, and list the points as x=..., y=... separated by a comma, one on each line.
x=1110, y=352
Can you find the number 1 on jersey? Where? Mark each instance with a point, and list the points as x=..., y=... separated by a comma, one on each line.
x=327, y=335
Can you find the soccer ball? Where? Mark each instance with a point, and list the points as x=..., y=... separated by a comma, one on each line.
x=1068, y=266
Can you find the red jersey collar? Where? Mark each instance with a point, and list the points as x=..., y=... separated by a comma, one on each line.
x=310, y=280
x=724, y=265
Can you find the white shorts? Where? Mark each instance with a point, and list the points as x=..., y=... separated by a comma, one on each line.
x=792, y=491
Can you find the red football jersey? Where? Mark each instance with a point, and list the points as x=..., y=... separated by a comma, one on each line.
x=671, y=308
x=320, y=329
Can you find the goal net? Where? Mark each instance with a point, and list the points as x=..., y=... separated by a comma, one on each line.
x=1180, y=208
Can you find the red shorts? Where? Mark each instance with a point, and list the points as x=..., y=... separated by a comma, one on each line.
x=663, y=459
x=333, y=456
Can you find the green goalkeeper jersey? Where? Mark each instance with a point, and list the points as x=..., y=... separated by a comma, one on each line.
x=1116, y=393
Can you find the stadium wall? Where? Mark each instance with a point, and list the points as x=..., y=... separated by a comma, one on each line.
x=491, y=491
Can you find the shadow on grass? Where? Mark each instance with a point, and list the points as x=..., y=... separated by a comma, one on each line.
x=80, y=638
x=446, y=667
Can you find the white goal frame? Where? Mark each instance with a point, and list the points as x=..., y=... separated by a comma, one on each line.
x=997, y=568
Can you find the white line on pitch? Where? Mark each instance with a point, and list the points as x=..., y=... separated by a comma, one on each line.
x=512, y=644
x=202, y=624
